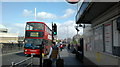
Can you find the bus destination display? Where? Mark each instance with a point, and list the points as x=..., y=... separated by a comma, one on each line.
x=34, y=34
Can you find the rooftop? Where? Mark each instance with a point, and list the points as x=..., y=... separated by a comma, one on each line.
x=2, y=26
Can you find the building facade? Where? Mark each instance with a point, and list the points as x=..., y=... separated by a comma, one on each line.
x=7, y=37
x=101, y=32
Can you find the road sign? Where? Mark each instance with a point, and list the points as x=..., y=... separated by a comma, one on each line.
x=72, y=1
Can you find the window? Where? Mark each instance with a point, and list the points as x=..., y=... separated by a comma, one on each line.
x=31, y=28
x=47, y=42
x=34, y=26
x=108, y=37
x=33, y=41
x=98, y=40
x=48, y=30
x=27, y=27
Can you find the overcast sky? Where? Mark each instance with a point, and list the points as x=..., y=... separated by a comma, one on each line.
x=15, y=15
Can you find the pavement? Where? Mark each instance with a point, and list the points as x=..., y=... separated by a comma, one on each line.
x=70, y=59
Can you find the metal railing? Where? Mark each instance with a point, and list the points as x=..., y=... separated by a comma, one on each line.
x=23, y=64
x=9, y=48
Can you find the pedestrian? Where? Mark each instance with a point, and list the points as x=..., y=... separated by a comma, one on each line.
x=50, y=52
x=61, y=47
x=69, y=46
x=58, y=44
x=53, y=53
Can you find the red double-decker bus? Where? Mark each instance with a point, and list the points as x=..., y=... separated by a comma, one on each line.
x=35, y=34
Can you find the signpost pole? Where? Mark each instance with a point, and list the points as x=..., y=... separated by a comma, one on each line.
x=52, y=32
x=41, y=55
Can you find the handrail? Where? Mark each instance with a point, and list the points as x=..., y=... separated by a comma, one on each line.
x=20, y=62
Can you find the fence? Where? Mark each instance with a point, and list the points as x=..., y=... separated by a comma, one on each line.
x=10, y=47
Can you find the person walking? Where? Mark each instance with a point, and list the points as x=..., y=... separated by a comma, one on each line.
x=61, y=47
x=54, y=53
x=69, y=46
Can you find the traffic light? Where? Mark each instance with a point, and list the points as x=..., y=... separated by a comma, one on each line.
x=55, y=29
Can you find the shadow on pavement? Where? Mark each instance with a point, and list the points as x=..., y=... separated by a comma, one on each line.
x=20, y=54
x=70, y=59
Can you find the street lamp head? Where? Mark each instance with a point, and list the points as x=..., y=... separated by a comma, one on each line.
x=80, y=25
x=77, y=29
x=76, y=26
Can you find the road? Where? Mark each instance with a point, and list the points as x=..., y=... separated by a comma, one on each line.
x=67, y=56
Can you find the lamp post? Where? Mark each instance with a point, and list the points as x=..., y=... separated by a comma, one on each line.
x=41, y=47
x=41, y=55
x=67, y=34
x=76, y=27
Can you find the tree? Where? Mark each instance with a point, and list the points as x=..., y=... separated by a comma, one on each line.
x=73, y=42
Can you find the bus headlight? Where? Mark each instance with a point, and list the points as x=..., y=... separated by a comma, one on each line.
x=26, y=50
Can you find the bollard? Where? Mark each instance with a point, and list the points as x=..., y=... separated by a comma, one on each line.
x=40, y=55
x=13, y=64
x=31, y=60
